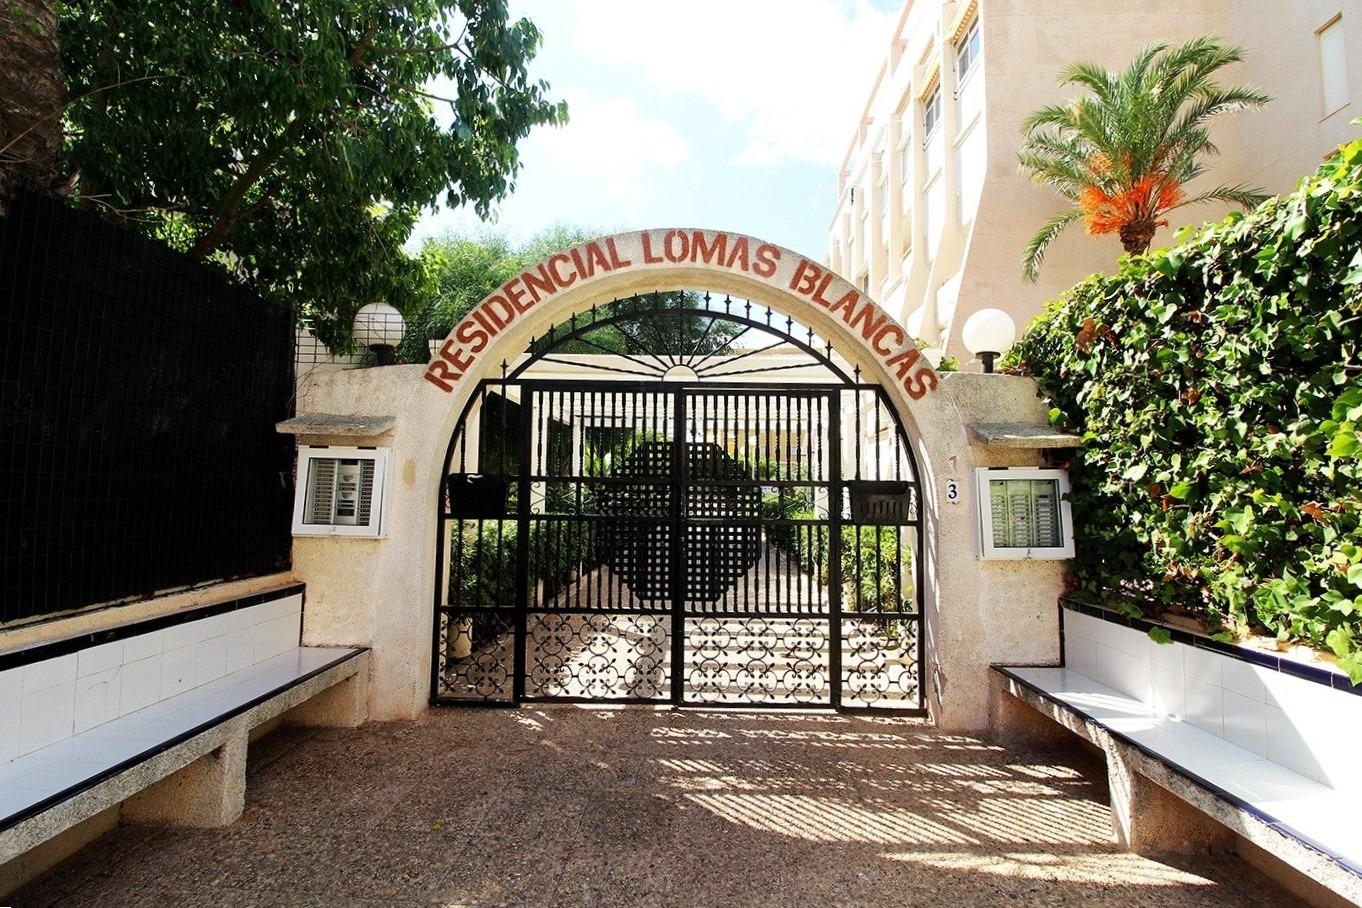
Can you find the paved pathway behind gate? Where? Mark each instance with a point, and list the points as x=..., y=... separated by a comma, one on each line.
x=567, y=806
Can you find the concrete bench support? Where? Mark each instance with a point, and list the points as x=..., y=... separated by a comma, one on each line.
x=1159, y=807
x=346, y=705
x=1014, y=723
x=209, y=792
x=1148, y=819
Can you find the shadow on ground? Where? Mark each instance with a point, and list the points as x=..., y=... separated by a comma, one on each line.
x=567, y=806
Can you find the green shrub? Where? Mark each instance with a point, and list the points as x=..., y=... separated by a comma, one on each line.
x=1216, y=387
x=877, y=567
x=485, y=560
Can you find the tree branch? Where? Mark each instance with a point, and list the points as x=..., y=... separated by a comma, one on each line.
x=60, y=110
x=229, y=212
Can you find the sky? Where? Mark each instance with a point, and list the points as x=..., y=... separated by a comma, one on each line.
x=726, y=114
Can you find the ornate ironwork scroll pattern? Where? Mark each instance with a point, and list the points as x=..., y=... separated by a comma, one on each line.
x=598, y=656
x=880, y=662
x=757, y=660
x=476, y=655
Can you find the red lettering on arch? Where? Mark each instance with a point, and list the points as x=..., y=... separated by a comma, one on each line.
x=903, y=361
x=869, y=321
x=441, y=376
x=537, y=284
x=805, y=277
x=768, y=257
x=890, y=328
x=595, y=258
x=649, y=257
x=712, y=253
x=554, y=264
x=615, y=260
x=676, y=246
x=739, y=252
x=847, y=304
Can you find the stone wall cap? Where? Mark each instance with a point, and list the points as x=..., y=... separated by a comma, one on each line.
x=334, y=424
x=1020, y=435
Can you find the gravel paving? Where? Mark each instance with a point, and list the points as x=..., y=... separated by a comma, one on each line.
x=568, y=806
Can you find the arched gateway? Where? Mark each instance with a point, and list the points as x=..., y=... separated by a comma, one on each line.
x=680, y=469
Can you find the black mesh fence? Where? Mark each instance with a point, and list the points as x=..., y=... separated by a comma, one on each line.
x=138, y=396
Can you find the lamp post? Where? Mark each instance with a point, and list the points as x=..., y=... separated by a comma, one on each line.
x=988, y=334
x=379, y=327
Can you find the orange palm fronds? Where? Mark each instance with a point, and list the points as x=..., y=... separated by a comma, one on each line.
x=1150, y=196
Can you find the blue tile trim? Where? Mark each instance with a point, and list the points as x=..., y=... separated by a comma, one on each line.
x=1266, y=818
x=74, y=644
x=1331, y=679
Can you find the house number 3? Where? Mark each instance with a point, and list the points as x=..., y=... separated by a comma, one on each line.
x=952, y=491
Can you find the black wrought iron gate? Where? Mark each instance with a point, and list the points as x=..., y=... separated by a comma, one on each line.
x=683, y=542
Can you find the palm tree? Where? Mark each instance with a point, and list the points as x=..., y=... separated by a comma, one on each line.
x=31, y=89
x=1124, y=153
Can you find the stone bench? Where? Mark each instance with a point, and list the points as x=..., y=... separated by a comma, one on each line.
x=1177, y=786
x=152, y=720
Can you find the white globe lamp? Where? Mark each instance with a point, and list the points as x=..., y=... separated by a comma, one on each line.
x=988, y=334
x=379, y=327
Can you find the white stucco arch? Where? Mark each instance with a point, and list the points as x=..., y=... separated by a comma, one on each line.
x=642, y=261
x=379, y=592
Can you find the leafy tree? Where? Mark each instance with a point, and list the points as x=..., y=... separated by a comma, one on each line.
x=1124, y=154
x=298, y=143
x=30, y=96
x=461, y=270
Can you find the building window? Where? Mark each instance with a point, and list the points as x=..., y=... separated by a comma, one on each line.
x=967, y=52
x=931, y=114
x=1333, y=63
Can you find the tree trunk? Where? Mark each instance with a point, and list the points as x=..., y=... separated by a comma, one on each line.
x=31, y=96
x=1136, y=236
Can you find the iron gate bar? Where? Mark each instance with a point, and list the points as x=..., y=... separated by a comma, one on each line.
x=732, y=415
x=552, y=340
x=835, y=553
x=680, y=466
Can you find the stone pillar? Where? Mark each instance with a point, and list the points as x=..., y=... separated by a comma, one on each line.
x=209, y=792
x=1148, y=819
x=343, y=705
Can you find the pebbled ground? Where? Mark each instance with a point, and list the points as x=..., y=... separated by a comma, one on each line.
x=568, y=806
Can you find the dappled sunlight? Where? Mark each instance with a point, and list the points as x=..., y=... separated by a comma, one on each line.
x=824, y=819
x=643, y=807
x=1047, y=821
x=1074, y=867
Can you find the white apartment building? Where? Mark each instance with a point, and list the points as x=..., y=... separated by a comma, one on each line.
x=933, y=212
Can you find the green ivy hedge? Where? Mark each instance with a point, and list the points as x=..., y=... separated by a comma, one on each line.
x=1217, y=386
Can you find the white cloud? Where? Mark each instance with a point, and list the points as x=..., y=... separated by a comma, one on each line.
x=792, y=75
x=610, y=142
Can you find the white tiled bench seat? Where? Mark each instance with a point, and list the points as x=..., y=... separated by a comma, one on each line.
x=1308, y=825
x=167, y=704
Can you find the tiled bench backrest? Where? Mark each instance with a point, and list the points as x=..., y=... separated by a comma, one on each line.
x=1303, y=725
x=43, y=702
